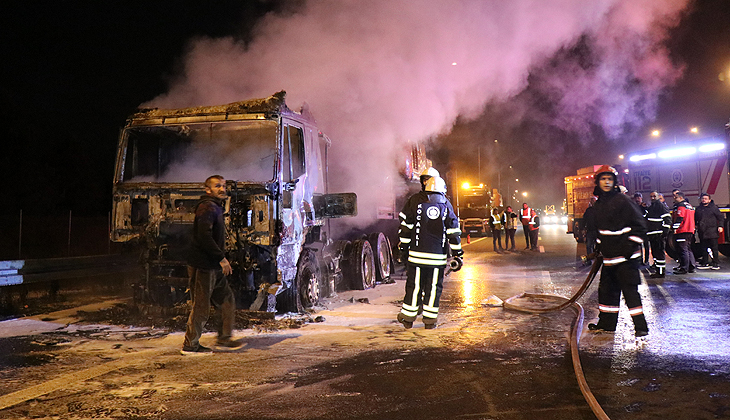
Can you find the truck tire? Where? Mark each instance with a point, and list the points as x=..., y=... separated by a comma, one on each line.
x=382, y=256
x=309, y=279
x=360, y=265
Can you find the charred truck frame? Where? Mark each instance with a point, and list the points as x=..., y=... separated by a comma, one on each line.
x=277, y=213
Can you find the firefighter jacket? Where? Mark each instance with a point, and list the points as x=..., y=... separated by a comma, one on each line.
x=684, y=218
x=658, y=218
x=496, y=221
x=621, y=228
x=427, y=224
x=525, y=216
x=534, y=222
x=707, y=219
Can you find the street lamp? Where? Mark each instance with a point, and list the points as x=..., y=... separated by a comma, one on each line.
x=465, y=186
x=656, y=133
x=694, y=130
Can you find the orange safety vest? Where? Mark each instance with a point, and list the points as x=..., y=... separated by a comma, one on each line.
x=532, y=223
x=525, y=215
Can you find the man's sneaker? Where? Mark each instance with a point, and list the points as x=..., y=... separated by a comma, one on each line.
x=680, y=271
x=430, y=326
x=200, y=350
x=703, y=267
x=656, y=276
x=406, y=323
x=715, y=267
x=641, y=333
x=598, y=328
x=228, y=343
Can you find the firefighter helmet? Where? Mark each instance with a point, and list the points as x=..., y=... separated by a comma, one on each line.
x=436, y=184
x=430, y=171
x=605, y=169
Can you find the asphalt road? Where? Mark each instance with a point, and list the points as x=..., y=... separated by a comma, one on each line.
x=481, y=362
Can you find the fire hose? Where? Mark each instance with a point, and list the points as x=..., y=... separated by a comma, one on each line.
x=576, y=328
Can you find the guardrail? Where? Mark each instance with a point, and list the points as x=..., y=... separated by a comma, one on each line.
x=17, y=272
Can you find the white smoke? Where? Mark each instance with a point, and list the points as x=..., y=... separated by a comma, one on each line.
x=380, y=73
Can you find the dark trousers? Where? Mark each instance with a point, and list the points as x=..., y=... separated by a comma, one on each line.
x=711, y=245
x=423, y=291
x=657, y=251
x=497, y=239
x=533, y=238
x=209, y=287
x=510, y=236
x=590, y=242
x=686, y=257
x=616, y=279
x=526, y=231
x=646, y=248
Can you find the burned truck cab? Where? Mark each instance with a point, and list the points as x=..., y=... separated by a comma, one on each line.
x=275, y=163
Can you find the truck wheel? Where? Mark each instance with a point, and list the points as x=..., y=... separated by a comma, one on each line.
x=309, y=277
x=382, y=256
x=360, y=265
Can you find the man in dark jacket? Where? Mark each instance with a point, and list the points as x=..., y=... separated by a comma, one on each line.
x=428, y=224
x=659, y=221
x=708, y=222
x=208, y=268
x=621, y=232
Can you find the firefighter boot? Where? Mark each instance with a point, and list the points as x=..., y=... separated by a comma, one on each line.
x=640, y=327
x=606, y=322
x=406, y=323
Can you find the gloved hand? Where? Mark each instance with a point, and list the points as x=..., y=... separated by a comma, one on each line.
x=456, y=263
x=402, y=254
x=457, y=252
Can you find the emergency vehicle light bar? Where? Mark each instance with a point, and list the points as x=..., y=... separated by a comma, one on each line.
x=712, y=147
x=684, y=151
x=638, y=158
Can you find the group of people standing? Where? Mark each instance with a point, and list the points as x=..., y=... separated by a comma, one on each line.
x=506, y=220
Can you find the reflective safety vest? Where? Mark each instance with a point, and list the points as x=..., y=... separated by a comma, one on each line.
x=534, y=224
x=525, y=215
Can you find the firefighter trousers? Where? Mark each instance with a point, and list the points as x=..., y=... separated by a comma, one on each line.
x=657, y=252
x=423, y=291
x=616, y=279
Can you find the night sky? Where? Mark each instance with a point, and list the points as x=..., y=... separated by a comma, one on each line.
x=73, y=71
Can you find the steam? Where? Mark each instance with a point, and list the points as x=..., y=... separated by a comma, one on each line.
x=379, y=74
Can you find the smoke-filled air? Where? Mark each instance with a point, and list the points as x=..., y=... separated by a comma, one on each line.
x=379, y=74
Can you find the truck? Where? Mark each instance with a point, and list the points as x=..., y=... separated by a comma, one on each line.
x=278, y=215
x=578, y=193
x=694, y=167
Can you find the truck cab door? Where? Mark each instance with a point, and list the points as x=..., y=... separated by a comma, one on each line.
x=292, y=183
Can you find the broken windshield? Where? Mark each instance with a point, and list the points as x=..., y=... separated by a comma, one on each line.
x=241, y=151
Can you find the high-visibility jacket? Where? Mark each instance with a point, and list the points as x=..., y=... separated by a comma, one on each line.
x=534, y=222
x=427, y=224
x=525, y=215
x=684, y=218
x=496, y=221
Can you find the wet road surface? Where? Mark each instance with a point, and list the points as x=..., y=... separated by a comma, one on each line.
x=480, y=363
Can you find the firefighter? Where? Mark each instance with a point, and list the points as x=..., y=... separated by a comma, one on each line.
x=684, y=232
x=621, y=230
x=428, y=224
x=534, y=226
x=658, y=223
x=496, y=223
x=426, y=174
x=525, y=219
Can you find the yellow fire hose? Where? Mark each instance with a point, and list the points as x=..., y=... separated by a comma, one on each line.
x=575, y=331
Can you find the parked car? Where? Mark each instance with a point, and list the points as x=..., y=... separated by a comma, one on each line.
x=475, y=226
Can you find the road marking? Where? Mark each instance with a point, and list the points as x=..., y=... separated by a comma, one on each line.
x=670, y=300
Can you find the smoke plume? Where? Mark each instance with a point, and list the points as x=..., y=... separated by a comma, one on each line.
x=380, y=73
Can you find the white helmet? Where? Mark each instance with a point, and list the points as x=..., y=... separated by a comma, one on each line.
x=436, y=184
x=430, y=171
